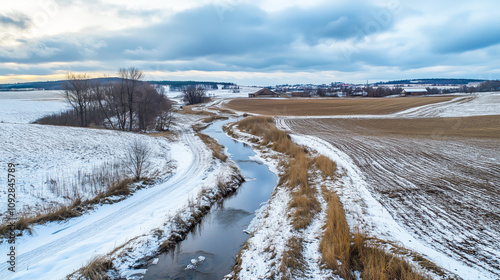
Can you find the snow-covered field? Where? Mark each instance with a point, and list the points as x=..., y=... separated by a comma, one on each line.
x=28, y=106
x=479, y=104
x=51, y=159
x=438, y=197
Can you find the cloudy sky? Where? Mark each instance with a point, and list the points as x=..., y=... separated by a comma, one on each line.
x=255, y=42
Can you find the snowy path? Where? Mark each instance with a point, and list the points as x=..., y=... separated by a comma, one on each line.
x=57, y=249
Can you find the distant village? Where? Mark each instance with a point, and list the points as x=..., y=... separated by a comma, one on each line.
x=398, y=88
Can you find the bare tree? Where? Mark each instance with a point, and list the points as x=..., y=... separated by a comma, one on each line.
x=102, y=93
x=138, y=155
x=130, y=82
x=79, y=96
x=194, y=95
x=164, y=120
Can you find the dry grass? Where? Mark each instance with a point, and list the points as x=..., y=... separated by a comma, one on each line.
x=375, y=263
x=326, y=166
x=51, y=215
x=306, y=205
x=217, y=149
x=278, y=140
x=96, y=269
x=170, y=135
x=326, y=107
x=75, y=209
x=213, y=118
x=296, y=175
x=189, y=110
x=293, y=263
x=344, y=253
x=485, y=127
x=336, y=242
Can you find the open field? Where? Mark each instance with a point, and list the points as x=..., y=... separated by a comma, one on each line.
x=438, y=178
x=481, y=127
x=28, y=106
x=59, y=164
x=325, y=107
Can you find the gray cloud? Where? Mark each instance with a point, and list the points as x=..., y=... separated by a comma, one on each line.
x=464, y=35
x=345, y=37
x=16, y=20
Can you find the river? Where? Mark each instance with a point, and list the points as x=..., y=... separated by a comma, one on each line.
x=209, y=251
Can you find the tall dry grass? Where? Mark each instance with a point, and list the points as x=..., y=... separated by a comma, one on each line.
x=296, y=176
x=326, y=166
x=335, y=245
x=96, y=269
x=344, y=252
x=217, y=149
x=293, y=263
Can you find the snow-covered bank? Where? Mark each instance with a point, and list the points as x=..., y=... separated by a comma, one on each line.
x=269, y=230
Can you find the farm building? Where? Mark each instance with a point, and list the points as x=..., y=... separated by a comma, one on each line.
x=414, y=91
x=265, y=92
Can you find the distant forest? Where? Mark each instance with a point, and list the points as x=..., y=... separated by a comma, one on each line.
x=59, y=85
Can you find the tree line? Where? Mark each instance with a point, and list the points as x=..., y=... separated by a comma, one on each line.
x=127, y=103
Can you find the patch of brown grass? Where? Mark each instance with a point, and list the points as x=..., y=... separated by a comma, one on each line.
x=213, y=118
x=51, y=215
x=96, y=269
x=293, y=263
x=306, y=205
x=344, y=253
x=327, y=107
x=278, y=140
x=217, y=149
x=296, y=172
x=170, y=135
x=296, y=175
x=326, y=166
x=188, y=109
x=336, y=242
x=377, y=264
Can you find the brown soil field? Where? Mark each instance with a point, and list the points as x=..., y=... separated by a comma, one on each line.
x=480, y=127
x=325, y=107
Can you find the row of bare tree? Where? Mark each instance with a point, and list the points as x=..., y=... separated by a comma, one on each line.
x=127, y=103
